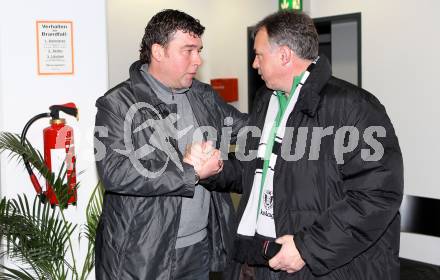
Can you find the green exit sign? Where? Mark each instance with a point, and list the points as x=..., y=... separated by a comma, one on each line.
x=296, y=5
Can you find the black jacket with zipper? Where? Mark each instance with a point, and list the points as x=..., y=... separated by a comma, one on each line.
x=138, y=227
x=344, y=216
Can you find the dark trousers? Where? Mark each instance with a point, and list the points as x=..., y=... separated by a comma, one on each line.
x=265, y=273
x=192, y=262
x=248, y=272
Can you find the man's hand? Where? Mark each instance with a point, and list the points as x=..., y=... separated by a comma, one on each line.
x=196, y=155
x=205, y=159
x=288, y=258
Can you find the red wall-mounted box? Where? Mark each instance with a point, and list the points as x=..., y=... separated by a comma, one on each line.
x=227, y=88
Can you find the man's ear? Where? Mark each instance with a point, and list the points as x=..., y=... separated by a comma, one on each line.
x=157, y=52
x=285, y=55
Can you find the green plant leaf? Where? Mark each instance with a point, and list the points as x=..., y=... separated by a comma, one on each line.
x=11, y=143
x=11, y=273
x=35, y=236
x=93, y=212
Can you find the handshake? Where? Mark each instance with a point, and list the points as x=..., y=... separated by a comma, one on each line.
x=205, y=159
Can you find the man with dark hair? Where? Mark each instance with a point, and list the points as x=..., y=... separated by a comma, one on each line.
x=157, y=221
x=328, y=179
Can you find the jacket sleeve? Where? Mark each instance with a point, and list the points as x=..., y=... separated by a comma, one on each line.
x=372, y=193
x=118, y=172
x=229, y=180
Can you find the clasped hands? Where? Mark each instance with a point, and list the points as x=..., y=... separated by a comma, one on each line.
x=207, y=162
x=205, y=159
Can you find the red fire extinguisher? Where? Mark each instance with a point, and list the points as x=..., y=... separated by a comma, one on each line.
x=58, y=153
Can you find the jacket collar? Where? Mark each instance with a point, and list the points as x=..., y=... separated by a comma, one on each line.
x=140, y=87
x=310, y=95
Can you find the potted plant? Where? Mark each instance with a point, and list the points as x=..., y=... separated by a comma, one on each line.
x=36, y=237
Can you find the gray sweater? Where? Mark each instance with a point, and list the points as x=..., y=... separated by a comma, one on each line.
x=195, y=210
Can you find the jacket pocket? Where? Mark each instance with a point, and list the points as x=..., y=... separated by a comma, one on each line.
x=114, y=230
x=115, y=240
x=300, y=219
x=110, y=249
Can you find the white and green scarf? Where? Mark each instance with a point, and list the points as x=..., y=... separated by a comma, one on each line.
x=258, y=216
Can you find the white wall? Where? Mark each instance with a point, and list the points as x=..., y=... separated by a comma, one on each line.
x=24, y=94
x=400, y=56
x=224, y=52
x=1, y=96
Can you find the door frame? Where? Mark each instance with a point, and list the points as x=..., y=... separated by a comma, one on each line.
x=353, y=17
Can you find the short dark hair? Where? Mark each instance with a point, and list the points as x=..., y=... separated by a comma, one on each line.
x=292, y=29
x=162, y=27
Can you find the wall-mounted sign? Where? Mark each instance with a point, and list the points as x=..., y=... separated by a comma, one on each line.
x=290, y=5
x=55, y=48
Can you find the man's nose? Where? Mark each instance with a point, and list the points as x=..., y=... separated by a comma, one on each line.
x=255, y=63
x=197, y=59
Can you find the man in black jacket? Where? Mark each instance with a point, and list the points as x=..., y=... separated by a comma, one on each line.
x=327, y=181
x=157, y=221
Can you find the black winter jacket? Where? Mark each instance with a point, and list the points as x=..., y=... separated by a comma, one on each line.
x=140, y=219
x=344, y=216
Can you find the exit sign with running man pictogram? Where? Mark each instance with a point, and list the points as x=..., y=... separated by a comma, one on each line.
x=290, y=5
